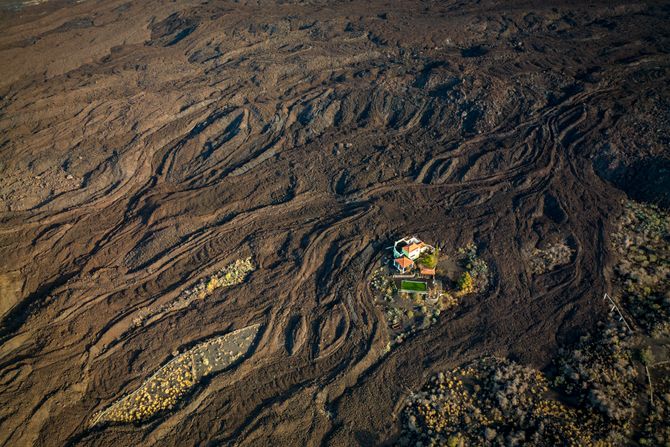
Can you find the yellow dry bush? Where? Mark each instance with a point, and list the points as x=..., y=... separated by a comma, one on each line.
x=465, y=283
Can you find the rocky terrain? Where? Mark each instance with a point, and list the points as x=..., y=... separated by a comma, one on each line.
x=145, y=147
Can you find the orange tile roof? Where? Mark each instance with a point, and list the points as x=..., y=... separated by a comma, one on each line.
x=404, y=262
x=426, y=270
x=411, y=247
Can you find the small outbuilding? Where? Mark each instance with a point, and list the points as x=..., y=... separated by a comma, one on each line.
x=425, y=271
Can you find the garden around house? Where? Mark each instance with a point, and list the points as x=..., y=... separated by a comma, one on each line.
x=420, y=283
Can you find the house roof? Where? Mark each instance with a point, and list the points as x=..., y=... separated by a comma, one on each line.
x=411, y=247
x=426, y=271
x=404, y=262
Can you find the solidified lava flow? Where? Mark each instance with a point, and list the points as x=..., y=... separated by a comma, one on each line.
x=259, y=158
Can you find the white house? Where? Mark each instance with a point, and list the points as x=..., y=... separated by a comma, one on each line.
x=411, y=247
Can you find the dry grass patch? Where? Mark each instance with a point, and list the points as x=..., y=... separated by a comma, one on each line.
x=163, y=390
x=232, y=274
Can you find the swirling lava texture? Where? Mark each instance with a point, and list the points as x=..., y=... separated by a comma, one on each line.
x=146, y=145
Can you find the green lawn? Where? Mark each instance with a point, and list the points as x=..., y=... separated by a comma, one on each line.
x=413, y=286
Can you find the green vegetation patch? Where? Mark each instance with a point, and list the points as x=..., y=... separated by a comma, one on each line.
x=413, y=286
x=605, y=371
x=478, y=276
x=643, y=268
x=492, y=402
x=595, y=394
x=598, y=372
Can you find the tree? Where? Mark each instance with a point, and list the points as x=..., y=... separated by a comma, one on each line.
x=465, y=283
x=430, y=259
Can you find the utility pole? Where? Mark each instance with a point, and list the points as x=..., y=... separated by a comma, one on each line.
x=615, y=307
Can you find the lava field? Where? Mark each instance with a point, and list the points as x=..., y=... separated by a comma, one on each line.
x=146, y=146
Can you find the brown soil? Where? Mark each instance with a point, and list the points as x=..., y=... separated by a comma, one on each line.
x=146, y=145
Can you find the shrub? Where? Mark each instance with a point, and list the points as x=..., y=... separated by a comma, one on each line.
x=646, y=356
x=477, y=267
x=463, y=406
x=465, y=283
x=455, y=441
x=640, y=243
x=212, y=284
